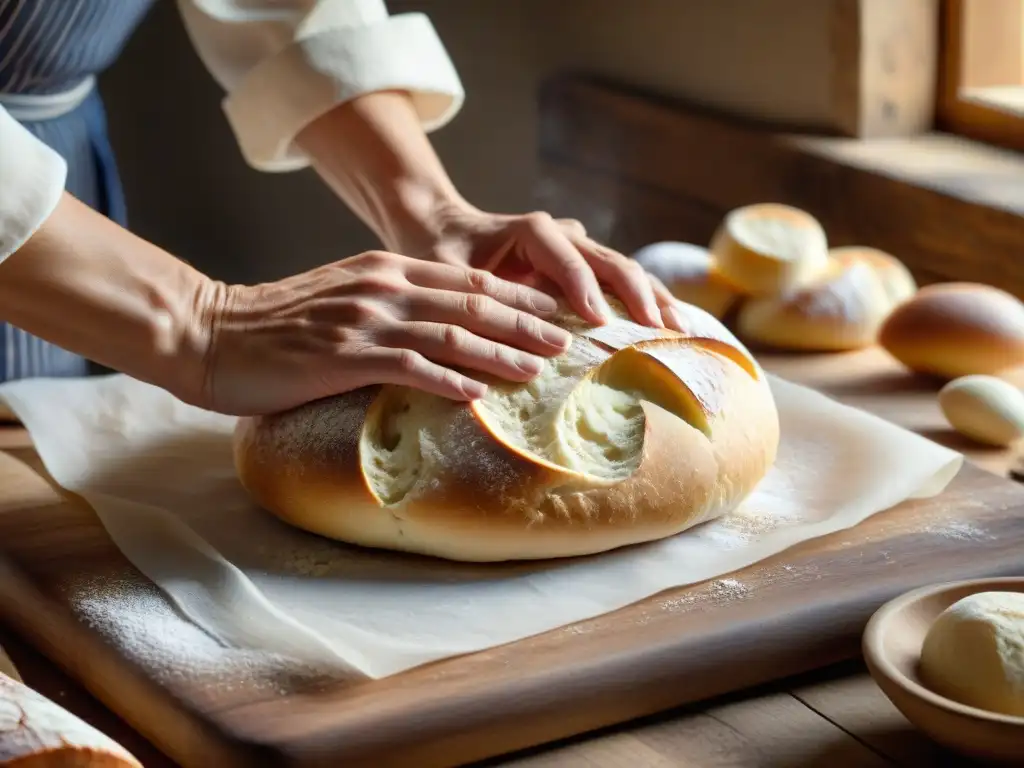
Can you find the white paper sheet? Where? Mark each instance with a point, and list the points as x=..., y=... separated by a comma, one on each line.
x=159, y=475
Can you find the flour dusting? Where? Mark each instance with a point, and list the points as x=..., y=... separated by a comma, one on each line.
x=959, y=531
x=134, y=616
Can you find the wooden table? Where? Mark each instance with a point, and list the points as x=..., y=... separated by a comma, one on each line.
x=836, y=717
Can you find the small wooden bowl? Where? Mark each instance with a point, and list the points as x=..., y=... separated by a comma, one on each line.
x=892, y=648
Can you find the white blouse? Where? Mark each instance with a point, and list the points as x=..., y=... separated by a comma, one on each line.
x=282, y=64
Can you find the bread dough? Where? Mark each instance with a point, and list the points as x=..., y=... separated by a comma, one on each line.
x=974, y=652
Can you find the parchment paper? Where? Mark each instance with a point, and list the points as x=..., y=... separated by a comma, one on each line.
x=159, y=475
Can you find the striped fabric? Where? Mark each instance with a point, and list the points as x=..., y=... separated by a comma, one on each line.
x=49, y=46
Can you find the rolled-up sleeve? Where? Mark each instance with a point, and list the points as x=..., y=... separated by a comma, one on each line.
x=283, y=63
x=32, y=178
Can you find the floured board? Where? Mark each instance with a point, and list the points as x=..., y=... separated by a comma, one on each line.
x=68, y=589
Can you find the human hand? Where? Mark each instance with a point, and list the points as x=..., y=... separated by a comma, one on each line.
x=375, y=318
x=535, y=249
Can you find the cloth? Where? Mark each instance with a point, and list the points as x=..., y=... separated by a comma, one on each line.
x=281, y=63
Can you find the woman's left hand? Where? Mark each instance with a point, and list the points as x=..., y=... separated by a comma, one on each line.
x=535, y=249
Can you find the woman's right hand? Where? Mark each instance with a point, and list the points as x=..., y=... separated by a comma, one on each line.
x=374, y=318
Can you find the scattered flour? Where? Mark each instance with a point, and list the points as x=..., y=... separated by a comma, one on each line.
x=959, y=530
x=134, y=616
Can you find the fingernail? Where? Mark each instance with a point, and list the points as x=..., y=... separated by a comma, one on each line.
x=544, y=303
x=474, y=389
x=654, y=316
x=678, y=322
x=599, y=307
x=558, y=337
x=529, y=364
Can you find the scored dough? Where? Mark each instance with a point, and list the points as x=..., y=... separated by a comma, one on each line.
x=974, y=652
x=633, y=434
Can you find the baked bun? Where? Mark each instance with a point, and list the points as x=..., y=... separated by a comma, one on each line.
x=842, y=310
x=769, y=249
x=689, y=272
x=899, y=284
x=633, y=434
x=956, y=329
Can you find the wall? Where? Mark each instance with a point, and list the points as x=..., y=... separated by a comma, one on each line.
x=190, y=191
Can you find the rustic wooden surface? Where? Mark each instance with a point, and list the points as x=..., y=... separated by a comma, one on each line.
x=807, y=610
x=621, y=163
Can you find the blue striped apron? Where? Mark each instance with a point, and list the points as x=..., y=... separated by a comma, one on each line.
x=50, y=53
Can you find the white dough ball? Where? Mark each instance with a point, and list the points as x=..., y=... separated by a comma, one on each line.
x=974, y=652
x=984, y=408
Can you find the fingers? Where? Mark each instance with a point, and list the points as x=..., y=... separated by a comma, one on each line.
x=552, y=254
x=667, y=304
x=452, y=345
x=407, y=367
x=477, y=281
x=490, y=318
x=626, y=278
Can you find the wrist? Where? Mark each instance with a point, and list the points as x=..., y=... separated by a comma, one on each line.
x=417, y=217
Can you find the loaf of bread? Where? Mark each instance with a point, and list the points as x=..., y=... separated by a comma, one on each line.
x=956, y=329
x=896, y=279
x=633, y=434
x=689, y=272
x=37, y=733
x=769, y=249
x=842, y=310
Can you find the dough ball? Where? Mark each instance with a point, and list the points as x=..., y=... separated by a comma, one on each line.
x=974, y=653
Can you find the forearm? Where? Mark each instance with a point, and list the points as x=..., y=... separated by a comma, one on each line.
x=93, y=288
x=375, y=155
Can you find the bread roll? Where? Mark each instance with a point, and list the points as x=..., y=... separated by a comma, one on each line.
x=769, y=249
x=841, y=311
x=985, y=409
x=36, y=733
x=899, y=284
x=633, y=434
x=688, y=271
x=956, y=329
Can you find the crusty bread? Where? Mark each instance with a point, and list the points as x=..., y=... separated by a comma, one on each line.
x=633, y=434
x=769, y=249
x=899, y=284
x=37, y=733
x=689, y=272
x=842, y=310
x=956, y=329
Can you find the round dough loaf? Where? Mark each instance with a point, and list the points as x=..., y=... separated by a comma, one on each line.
x=974, y=652
x=843, y=310
x=633, y=434
x=896, y=279
x=689, y=272
x=956, y=329
x=769, y=249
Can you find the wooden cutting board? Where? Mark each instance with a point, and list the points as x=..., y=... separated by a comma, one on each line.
x=800, y=610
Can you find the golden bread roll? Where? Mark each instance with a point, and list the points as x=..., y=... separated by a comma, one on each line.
x=37, y=733
x=984, y=408
x=842, y=310
x=769, y=249
x=956, y=329
x=633, y=434
x=899, y=284
x=688, y=271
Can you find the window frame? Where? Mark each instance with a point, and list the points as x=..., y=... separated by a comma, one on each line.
x=956, y=113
